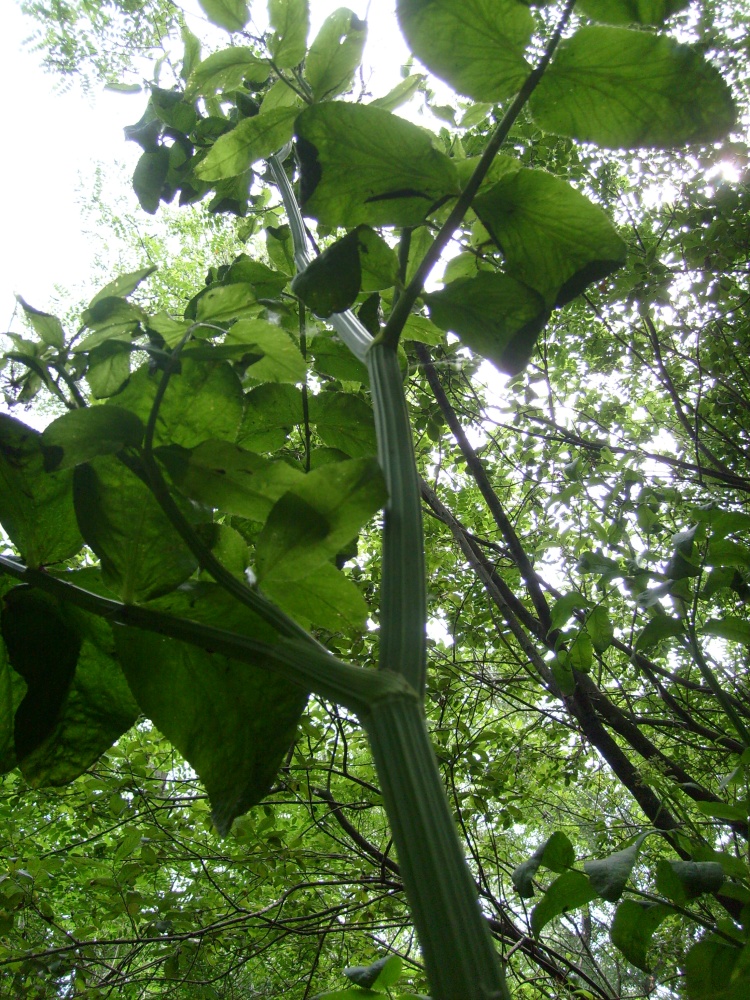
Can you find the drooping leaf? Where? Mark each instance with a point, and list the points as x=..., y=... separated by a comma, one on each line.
x=493, y=314
x=380, y=975
x=226, y=70
x=682, y=881
x=335, y=54
x=571, y=890
x=36, y=507
x=633, y=928
x=623, y=88
x=600, y=628
x=552, y=237
x=562, y=610
x=149, y=177
x=141, y=553
x=97, y=710
x=251, y=140
x=81, y=435
x=610, y=875
x=332, y=281
x=310, y=523
x=221, y=475
x=233, y=722
x=556, y=853
x=630, y=11
x=660, y=627
x=364, y=165
x=43, y=649
x=48, y=327
x=290, y=21
x=476, y=45
x=232, y=15
x=203, y=400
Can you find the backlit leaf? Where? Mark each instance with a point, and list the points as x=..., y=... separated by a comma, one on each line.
x=633, y=929
x=229, y=14
x=630, y=11
x=335, y=53
x=571, y=890
x=251, y=140
x=290, y=21
x=83, y=434
x=226, y=70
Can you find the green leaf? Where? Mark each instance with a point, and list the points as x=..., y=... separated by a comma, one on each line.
x=345, y=422
x=379, y=261
x=568, y=892
x=232, y=722
x=97, y=710
x=123, y=285
x=631, y=11
x=625, y=89
x=109, y=367
x=280, y=357
x=599, y=626
x=290, y=21
x=226, y=70
x=331, y=282
x=335, y=54
x=633, y=929
x=81, y=435
x=36, y=507
x=723, y=810
x=364, y=165
x=270, y=413
x=109, y=318
x=141, y=553
x=401, y=93
x=381, y=975
x=267, y=282
x=317, y=517
x=476, y=45
x=716, y=970
x=556, y=853
x=682, y=881
x=552, y=237
x=203, y=400
x=325, y=599
x=149, y=178
x=580, y=652
x=610, y=875
x=48, y=327
x=43, y=649
x=251, y=140
x=493, y=314
x=232, y=15
x=224, y=303
x=730, y=627
x=660, y=627
x=221, y=475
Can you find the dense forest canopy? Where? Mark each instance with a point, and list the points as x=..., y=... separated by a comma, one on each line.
x=217, y=642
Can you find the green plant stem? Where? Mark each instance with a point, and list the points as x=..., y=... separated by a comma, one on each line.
x=313, y=669
x=403, y=601
x=458, y=950
x=402, y=308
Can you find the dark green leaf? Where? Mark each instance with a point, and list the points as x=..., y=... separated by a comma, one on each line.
x=149, y=178
x=556, y=853
x=232, y=722
x=317, y=517
x=552, y=237
x=381, y=975
x=631, y=11
x=568, y=892
x=682, y=881
x=331, y=282
x=624, y=89
x=109, y=318
x=229, y=14
x=43, y=649
x=83, y=434
x=123, y=285
x=730, y=627
x=659, y=628
x=345, y=422
x=141, y=553
x=633, y=928
x=47, y=326
x=36, y=508
x=716, y=970
x=364, y=165
x=251, y=140
x=335, y=54
x=493, y=314
x=610, y=875
x=270, y=413
x=476, y=45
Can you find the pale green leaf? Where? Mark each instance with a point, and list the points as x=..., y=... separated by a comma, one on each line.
x=335, y=53
x=251, y=140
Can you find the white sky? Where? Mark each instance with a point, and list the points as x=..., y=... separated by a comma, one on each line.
x=53, y=141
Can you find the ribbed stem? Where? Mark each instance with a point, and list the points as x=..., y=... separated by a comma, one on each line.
x=458, y=951
x=403, y=602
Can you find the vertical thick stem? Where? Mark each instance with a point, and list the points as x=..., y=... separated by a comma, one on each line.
x=403, y=602
x=458, y=951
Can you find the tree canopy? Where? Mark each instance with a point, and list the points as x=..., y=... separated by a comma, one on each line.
x=237, y=601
